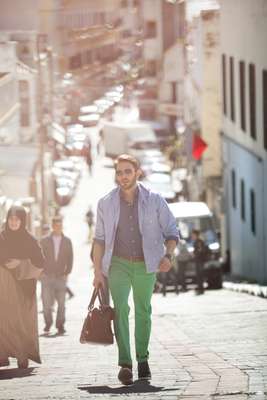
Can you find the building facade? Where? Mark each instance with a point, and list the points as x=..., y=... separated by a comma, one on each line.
x=163, y=57
x=244, y=133
x=9, y=92
x=203, y=107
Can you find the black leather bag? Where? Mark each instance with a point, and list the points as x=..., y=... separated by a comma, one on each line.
x=97, y=327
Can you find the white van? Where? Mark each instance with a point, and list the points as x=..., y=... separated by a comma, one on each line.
x=197, y=215
x=127, y=138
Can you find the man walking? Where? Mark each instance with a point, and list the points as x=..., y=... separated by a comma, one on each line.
x=133, y=225
x=57, y=249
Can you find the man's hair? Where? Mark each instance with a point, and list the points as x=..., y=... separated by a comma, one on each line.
x=196, y=232
x=57, y=219
x=128, y=158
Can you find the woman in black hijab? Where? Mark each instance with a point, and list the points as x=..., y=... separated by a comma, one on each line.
x=21, y=263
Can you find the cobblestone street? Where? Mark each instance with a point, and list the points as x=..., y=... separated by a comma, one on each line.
x=202, y=347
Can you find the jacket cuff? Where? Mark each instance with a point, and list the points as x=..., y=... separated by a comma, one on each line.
x=99, y=241
x=176, y=238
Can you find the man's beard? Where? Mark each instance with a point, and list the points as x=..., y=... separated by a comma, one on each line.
x=128, y=185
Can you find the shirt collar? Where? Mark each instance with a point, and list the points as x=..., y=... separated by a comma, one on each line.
x=136, y=194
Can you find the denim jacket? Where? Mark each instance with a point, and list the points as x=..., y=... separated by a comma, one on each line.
x=156, y=224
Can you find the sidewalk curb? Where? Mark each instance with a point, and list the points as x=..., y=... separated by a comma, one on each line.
x=249, y=288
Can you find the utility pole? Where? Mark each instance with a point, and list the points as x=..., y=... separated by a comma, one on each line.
x=41, y=40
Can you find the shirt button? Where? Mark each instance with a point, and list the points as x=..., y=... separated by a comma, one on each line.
x=131, y=229
x=130, y=216
x=133, y=241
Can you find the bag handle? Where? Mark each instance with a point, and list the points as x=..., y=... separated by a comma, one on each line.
x=96, y=293
x=93, y=299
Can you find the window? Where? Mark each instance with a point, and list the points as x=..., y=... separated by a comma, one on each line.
x=151, y=68
x=252, y=212
x=150, y=29
x=89, y=57
x=242, y=198
x=24, y=103
x=252, y=101
x=233, y=180
x=264, y=81
x=232, y=89
x=242, y=82
x=75, y=61
x=224, y=79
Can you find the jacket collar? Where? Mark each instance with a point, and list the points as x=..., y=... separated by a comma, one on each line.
x=143, y=193
x=51, y=235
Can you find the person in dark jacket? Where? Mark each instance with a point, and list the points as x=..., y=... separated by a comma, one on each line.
x=200, y=254
x=21, y=264
x=58, y=252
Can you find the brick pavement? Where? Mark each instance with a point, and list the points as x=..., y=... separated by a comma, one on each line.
x=202, y=347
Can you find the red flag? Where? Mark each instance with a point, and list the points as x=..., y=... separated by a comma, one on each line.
x=198, y=147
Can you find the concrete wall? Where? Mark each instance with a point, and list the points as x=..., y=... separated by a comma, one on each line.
x=248, y=249
x=9, y=107
x=211, y=93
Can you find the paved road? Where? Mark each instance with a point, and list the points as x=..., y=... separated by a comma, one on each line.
x=202, y=347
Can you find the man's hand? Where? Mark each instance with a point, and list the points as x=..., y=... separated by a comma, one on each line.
x=12, y=263
x=99, y=279
x=165, y=265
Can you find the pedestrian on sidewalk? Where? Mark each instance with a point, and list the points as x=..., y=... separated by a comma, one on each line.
x=90, y=222
x=21, y=263
x=182, y=259
x=46, y=232
x=58, y=252
x=200, y=254
x=89, y=158
x=133, y=225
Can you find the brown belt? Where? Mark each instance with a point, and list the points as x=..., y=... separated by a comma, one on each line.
x=131, y=259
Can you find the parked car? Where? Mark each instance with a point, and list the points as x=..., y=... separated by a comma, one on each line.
x=150, y=156
x=66, y=173
x=65, y=189
x=156, y=167
x=88, y=120
x=162, y=132
x=160, y=183
x=77, y=140
x=68, y=164
x=197, y=215
x=61, y=173
x=64, y=195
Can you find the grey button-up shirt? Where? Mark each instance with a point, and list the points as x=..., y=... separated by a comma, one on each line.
x=128, y=239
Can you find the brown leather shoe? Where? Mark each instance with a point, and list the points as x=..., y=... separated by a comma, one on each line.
x=4, y=362
x=61, y=330
x=23, y=364
x=125, y=375
x=144, y=372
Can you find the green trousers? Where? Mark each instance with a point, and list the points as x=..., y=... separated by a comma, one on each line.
x=123, y=276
